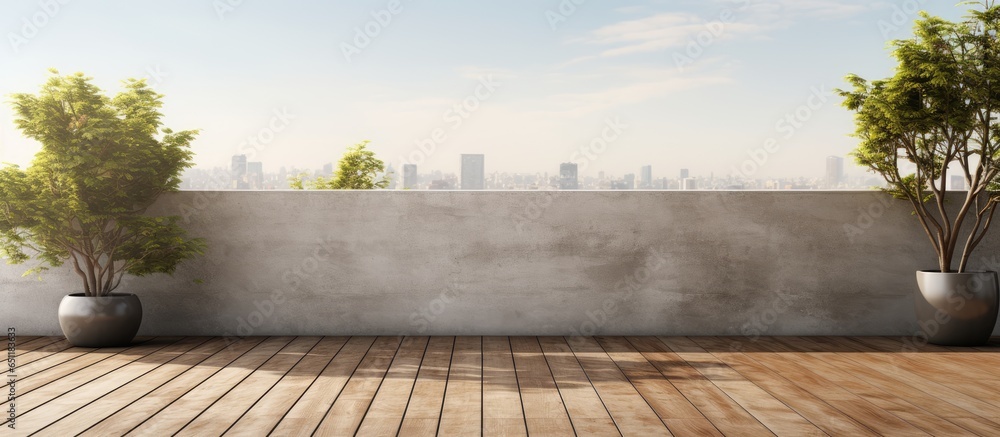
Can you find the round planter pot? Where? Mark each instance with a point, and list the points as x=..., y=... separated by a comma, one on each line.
x=105, y=321
x=957, y=309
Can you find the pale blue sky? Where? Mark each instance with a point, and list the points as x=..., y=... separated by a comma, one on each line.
x=227, y=72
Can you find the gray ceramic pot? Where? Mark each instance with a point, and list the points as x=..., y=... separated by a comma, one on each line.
x=957, y=309
x=105, y=321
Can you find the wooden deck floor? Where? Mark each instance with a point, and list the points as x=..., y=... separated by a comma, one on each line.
x=457, y=386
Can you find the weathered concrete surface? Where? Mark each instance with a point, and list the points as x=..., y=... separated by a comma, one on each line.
x=525, y=263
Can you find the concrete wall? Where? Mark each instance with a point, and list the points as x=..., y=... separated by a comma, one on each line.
x=513, y=263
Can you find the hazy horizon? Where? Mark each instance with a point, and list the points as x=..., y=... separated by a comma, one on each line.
x=701, y=85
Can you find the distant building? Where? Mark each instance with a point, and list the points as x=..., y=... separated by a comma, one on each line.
x=410, y=180
x=391, y=176
x=689, y=184
x=569, y=178
x=834, y=170
x=958, y=183
x=255, y=175
x=646, y=175
x=630, y=181
x=440, y=184
x=473, y=172
x=238, y=173
x=327, y=170
x=685, y=173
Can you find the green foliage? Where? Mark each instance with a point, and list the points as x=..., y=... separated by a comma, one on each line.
x=358, y=169
x=937, y=114
x=297, y=182
x=103, y=162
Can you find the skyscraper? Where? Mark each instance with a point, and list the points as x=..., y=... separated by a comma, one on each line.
x=392, y=176
x=473, y=172
x=646, y=174
x=685, y=174
x=630, y=181
x=958, y=183
x=238, y=172
x=410, y=180
x=255, y=175
x=834, y=170
x=689, y=184
x=568, y=177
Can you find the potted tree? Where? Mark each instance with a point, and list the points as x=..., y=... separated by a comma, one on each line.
x=935, y=117
x=83, y=199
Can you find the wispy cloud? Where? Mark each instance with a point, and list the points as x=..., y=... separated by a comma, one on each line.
x=618, y=87
x=814, y=8
x=664, y=31
x=776, y=14
x=729, y=21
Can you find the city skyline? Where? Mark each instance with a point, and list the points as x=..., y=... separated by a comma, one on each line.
x=706, y=84
x=248, y=175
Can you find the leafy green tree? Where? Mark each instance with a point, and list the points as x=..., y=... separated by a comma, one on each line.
x=937, y=116
x=358, y=169
x=83, y=199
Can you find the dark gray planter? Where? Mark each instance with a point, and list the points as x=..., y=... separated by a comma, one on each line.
x=957, y=309
x=105, y=321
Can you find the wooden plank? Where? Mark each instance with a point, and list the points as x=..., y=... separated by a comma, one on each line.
x=349, y=409
x=269, y=410
x=877, y=408
x=38, y=344
x=775, y=415
x=64, y=403
x=134, y=390
x=587, y=412
x=222, y=414
x=629, y=410
x=27, y=358
x=386, y=411
x=662, y=396
x=702, y=361
x=843, y=386
x=668, y=403
x=931, y=424
x=727, y=415
x=124, y=420
x=965, y=358
x=47, y=361
x=22, y=339
x=771, y=412
x=462, y=412
x=424, y=409
x=691, y=427
x=668, y=363
x=503, y=414
x=900, y=375
x=544, y=410
x=940, y=369
x=979, y=425
x=55, y=372
x=79, y=378
x=865, y=406
x=883, y=407
x=181, y=411
x=782, y=386
x=307, y=413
